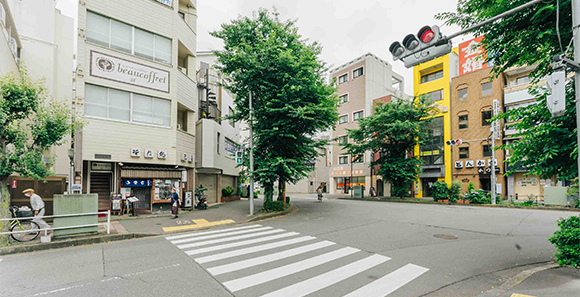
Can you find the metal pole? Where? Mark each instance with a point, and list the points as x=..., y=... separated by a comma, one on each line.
x=109, y=221
x=575, y=23
x=492, y=180
x=251, y=159
x=350, y=181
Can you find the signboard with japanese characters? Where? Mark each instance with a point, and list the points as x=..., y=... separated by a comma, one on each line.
x=161, y=155
x=137, y=183
x=480, y=170
x=480, y=163
x=135, y=152
x=489, y=162
x=472, y=56
x=458, y=164
x=469, y=164
x=148, y=153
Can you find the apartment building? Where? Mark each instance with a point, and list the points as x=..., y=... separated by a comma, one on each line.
x=472, y=96
x=217, y=138
x=433, y=80
x=359, y=81
x=40, y=39
x=319, y=175
x=137, y=88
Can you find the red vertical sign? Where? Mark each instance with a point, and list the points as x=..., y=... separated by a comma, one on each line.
x=472, y=56
x=14, y=184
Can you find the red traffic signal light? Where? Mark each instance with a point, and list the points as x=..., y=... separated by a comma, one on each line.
x=426, y=34
x=454, y=142
x=458, y=141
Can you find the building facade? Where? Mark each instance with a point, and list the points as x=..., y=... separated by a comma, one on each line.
x=40, y=39
x=359, y=81
x=432, y=79
x=137, y=88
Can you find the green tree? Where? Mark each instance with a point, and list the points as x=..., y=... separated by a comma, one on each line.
x=29, y=125
x=548, y=146
x=290, y=98
x=393, y=131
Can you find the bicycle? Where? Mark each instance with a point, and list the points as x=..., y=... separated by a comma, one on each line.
x=22, y=225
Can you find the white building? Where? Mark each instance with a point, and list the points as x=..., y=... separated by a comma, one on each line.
x=40, y=38
x=136, y=84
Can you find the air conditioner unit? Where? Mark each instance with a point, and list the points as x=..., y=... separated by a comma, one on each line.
x=184, y=157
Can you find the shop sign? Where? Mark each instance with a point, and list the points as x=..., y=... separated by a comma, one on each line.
x=166, y=2
x=77, y=187
x=14, y=184
x=137, y=183
x=480, y=170
x=472, y=56
x=469, y=164
x=489, y=162
x=480, y=163
x=458, y=164
x=148, y=154
x=99, y=166
x=121, y=70
x=161, y=155
x=135, y=152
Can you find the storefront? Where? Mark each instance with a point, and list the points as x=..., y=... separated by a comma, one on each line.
x=343, y=181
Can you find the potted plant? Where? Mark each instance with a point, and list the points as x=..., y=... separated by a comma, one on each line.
x=440, y=192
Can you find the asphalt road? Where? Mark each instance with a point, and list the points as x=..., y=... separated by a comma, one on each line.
x=333, y=248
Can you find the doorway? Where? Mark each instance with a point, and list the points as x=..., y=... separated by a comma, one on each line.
x=427, y=186
x=144, y=195
x=101, y=185
x=485, y=183
x=380, y=188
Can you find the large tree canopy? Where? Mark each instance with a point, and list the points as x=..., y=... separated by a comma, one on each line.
x=548, y=146
x=291, y=99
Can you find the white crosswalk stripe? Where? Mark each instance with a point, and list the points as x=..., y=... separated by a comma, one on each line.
x=269, y=254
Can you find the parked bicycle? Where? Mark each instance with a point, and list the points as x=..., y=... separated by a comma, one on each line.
x=201, y=198
x=23, y=225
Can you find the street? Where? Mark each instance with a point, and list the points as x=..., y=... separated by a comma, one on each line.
x=328, y=248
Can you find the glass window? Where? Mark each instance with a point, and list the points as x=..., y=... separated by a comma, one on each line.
x=431, y=76
x=230, y=113
x=119, y=105
x=342, y=139
x=434, y=96
x=121, y=36
x=463, y=121
x=343, y=119
x=357, y=72
x=161, y=112
x=485, y=117
x=358, y=158
x=522, y=80
x=464, y=153
x=162, y=49
x=144, y=44
x=343, y=160
x=487, y=150
x=218, y=142
x=343, y=99
x=432, y=151
x=230, y=146
x=340, y=183
x=462, y=94
x=343, y=78
x=142, y=109
x=357, y=115
x=98, y=29
x=96, y=101
x=486, y=89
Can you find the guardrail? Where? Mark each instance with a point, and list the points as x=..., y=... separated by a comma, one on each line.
x=108, y=223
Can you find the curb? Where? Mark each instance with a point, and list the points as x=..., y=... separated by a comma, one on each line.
x=26, y=248
x=467, y=205
x=272, y=215
x=516, y=280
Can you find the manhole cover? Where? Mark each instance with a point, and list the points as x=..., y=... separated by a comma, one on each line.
x=445, y=236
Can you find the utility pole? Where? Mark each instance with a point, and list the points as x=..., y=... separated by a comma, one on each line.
x=251, y=159
x=494, y=135
x=575, y=23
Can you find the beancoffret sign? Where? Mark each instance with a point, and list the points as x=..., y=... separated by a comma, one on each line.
x=121, y=70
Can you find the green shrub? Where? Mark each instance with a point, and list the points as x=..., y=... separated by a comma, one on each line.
x=454, y=192
x=470, y=187
x=573, y=192
x=479, y=197
x=567, y=241
x=273, y=206
x=228, y=192
x=440, y=191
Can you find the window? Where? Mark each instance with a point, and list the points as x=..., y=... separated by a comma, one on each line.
x=522, y=80
x=343, y=119
x=230, y=146
x=343, y=160
x=431, y=76
x=487, y=150
x=432, y=152
x=120, y=36
x=342, y=139
x=462, y=94
x=486, y=89
x=358, y=158
x=434, y=96
x=485, y=116
x=114, y=104
x=343, y=78
x=343, y=99
x=357, y=72
x=463, y=121
x=182, y=119
x=464, y=153
x=218, y=142
x=357, y=115
x=231, y=113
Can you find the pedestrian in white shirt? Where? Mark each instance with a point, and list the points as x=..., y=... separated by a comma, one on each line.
x=38, y=208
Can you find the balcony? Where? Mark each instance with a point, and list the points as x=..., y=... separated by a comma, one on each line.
x=187, y=91
x=517, y=96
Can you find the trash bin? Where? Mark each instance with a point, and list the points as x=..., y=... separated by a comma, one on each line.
x=358, y=192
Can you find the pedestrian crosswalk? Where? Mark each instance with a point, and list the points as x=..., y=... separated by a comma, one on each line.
x=257, y=260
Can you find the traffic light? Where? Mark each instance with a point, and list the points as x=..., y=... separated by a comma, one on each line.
x=427, y=45
x=239, y=157
x=454, y=142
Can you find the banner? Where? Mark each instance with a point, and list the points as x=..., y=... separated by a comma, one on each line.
x=472, y=56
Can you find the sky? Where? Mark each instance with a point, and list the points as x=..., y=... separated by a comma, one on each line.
x=345, y=29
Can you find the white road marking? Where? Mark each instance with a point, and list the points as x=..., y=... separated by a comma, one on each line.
x=390, y=282
x=239, y=243
x=198, y=238
x=253, y=249
x=272, y=274
x=327, y=279
x=268, y=258
x=233, y=238
x=210, y=232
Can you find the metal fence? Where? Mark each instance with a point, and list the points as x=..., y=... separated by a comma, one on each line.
x=108, y=223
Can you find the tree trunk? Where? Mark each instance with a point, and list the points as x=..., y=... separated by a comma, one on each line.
x=282, y=190
x=268, y=192
x=4, y=209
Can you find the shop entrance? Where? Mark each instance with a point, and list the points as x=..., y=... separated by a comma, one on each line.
x=101, y=185
x=144, y=195
x=427, y=186
x=380, y=188
x=485, y=183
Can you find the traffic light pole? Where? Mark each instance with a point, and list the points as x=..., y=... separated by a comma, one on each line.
x=575, y=23
x=492, y=173
x=251, y=159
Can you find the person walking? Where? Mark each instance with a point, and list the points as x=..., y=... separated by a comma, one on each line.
x=319, y=192
x=38, y=208
x=175, y=202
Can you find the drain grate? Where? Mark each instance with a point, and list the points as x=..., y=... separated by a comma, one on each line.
x=445, y=236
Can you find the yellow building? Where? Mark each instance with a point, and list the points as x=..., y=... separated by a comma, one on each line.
x=433, y=79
